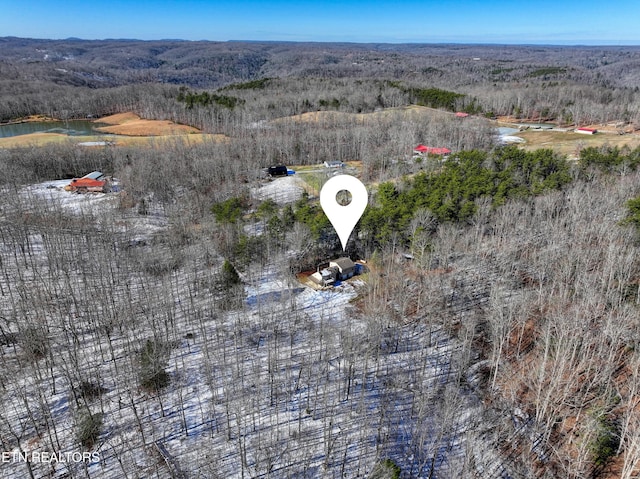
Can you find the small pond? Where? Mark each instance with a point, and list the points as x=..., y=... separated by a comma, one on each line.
x=504, y=130
x=71, y=128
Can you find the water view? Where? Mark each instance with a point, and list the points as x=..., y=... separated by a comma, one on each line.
x=70, y=128
x=505, y=130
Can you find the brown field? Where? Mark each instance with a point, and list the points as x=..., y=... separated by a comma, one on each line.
x=615, y=134
x=39, y=139
x=333, y=116
x=570, y=144
x=130, y=124
x=131, y=130
x=164, y=139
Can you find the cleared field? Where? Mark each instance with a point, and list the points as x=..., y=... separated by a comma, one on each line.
x=32, y=118
x=302, y=168
x=39, y=139
x=131, y=124
x=331, y=117
x=570, y=144
x=164, y=139
x=314, y=176
x=128, y=130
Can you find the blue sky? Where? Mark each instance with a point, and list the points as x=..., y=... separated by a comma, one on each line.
x=428, y=21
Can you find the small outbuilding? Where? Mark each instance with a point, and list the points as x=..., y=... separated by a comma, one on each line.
x=586, y=131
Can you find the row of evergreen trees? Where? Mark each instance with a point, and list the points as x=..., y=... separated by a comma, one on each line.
x=451, y=192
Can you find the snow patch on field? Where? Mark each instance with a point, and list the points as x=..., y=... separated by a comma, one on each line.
x=508, y=139
x=99, y=208
x=54, y=192
x=281, y=190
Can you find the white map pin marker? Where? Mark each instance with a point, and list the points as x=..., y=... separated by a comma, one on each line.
x=343, y=218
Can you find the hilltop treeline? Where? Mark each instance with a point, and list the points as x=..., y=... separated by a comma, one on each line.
x=568, y=84
x=105, y=63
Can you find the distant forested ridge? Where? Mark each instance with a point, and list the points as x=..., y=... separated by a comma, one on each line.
x=567, y=84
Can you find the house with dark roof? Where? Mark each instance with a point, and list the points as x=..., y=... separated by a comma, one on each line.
x=338, y=269
x=344, y=266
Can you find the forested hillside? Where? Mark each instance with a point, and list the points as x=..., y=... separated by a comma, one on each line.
x=164, y=328
x=570, y=84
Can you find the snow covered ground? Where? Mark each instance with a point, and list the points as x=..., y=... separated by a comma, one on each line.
x=510, y=139
x=289, y=382
x=281, y=190
x=100, y=208
x=505, y=135
x=53, y=191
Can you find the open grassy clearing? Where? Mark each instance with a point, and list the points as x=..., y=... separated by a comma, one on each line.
x=570, y=144
x=314, y=176
x=308, y=168
x=313, y=181
x=131, y=124
x=128, y=130
x=331, y=117
x=40, y=139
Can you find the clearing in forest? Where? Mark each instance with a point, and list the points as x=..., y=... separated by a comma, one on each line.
x=331, y=117
x=40, y=139
x=131, y=124
x=128, y=129
x=570, y=143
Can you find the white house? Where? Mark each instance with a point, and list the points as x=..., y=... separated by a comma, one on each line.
x=333, y=164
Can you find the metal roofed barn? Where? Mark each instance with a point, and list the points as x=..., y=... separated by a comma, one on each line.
x=94, y=182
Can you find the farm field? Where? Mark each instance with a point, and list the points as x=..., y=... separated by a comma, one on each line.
x=569, y=143
x=39, y=139
x=406, y=113
x=124, y=129
x=130, y=124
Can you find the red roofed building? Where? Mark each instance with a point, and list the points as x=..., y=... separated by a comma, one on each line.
x=462, y=114
x=586, y=131
x=430, y=150
x=94, y=182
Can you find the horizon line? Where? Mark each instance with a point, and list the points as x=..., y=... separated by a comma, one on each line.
x=582, y=43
